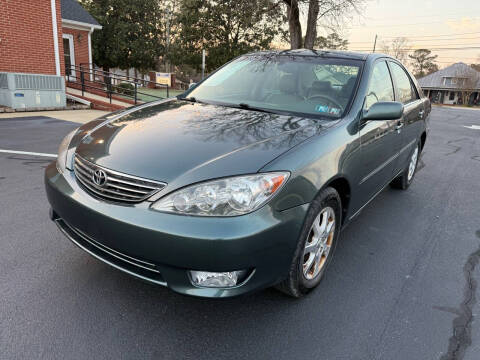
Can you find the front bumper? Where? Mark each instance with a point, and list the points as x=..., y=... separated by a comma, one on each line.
x=161, y=248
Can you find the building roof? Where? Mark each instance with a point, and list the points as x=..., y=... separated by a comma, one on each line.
x=458, y=70
x=72, y=10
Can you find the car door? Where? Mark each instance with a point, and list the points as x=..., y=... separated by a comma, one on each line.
x=379, y=139
x=411, y=129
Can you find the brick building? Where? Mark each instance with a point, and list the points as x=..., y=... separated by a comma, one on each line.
x=77, y=27
x=44, y=37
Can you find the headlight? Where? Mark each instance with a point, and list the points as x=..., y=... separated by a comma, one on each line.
x=63, y=150
x=225, y=197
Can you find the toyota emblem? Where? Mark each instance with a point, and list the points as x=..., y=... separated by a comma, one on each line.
x=99, y=177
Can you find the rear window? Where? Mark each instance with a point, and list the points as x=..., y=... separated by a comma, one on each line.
x=406, y=90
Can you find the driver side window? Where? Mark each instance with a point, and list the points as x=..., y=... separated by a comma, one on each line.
x=380, y=87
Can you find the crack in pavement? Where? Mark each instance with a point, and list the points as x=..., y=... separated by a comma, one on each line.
x=462, y=324
x=448, y=309
x=456, y=148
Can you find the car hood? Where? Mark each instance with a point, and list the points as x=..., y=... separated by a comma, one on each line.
x=183, y=142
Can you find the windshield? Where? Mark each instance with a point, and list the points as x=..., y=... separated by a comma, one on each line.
x=299, y=85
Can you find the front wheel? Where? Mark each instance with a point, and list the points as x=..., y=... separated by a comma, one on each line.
x=316, y=244
x=404, y=180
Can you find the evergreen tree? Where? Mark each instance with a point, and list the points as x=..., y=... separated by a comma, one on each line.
x=225, y=29
x=129, y=37
x=423, y=62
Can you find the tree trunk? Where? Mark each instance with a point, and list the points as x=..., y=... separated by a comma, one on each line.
x=311, y=35
x=294, y=26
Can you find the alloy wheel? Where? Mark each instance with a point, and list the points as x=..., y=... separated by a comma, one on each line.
x=318, y=244
x=413, y=164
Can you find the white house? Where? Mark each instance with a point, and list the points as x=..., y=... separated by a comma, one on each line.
x=446, y=86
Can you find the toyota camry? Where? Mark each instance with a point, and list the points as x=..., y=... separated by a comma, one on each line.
x=246, y=180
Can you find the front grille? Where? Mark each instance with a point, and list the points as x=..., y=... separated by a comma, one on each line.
x=112, y=185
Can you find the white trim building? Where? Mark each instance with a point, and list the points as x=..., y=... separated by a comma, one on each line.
x=447, y=85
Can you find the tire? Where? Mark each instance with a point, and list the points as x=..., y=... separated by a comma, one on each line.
x=301, y=278
x=403, y=181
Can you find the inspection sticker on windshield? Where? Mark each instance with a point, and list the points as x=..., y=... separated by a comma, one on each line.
x=334, y=111
x=322, y=108
x=327, y=109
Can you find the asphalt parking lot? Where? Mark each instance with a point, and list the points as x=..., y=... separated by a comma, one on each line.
x=403, y=284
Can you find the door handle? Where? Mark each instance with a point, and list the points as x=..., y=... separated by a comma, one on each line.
x=421, y=113
x=399, y=126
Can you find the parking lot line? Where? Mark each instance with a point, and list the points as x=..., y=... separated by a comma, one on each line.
x=27, y=153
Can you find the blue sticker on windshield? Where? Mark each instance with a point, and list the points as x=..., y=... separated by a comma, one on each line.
x=322, y=108
x=334, y=111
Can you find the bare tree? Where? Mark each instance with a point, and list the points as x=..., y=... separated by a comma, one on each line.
x=326, y=13
x=468, y=81
x=294, y=26
x=397, y=48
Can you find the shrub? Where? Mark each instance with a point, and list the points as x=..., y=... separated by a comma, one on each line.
x=125, y=88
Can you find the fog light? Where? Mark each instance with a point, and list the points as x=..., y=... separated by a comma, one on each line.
x=217, y=279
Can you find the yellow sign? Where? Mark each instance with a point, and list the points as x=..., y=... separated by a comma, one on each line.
x=163, y=78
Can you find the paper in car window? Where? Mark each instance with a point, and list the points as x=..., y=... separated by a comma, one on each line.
x=225, y=73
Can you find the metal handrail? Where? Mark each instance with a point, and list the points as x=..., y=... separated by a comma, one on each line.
x=92, y=66
x=107, y=82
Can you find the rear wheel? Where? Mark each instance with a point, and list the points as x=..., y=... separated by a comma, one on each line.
x=316, y=245
x=404, y=180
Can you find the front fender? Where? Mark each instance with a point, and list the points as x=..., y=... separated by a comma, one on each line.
x=315, y=164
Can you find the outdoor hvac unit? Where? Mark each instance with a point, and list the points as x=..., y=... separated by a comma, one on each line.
x=32, y=91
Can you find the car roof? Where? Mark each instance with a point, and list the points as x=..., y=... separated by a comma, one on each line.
x=322, y=53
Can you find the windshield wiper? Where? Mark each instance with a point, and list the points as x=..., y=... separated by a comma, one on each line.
x=191, y=99
x=249, y=107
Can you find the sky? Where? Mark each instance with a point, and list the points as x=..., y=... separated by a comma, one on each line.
x=427, y=24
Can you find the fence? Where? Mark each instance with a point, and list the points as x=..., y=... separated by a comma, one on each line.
x=104, y=82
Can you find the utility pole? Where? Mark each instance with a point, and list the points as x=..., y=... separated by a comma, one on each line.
x=167, y=62
x=203, y=63
x=375, y=43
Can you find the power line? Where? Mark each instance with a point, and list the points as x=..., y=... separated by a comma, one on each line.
x=430, y=36
x=407, y=39
x=444, y=48
x=456, y=60
x=432, y=49
x=456, y=57
x=421, y=16
x=411, y=24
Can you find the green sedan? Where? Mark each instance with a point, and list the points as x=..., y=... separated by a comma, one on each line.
x=246, y=180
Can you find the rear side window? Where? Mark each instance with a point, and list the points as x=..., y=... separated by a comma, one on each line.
x=380, y=87
x=406, y=91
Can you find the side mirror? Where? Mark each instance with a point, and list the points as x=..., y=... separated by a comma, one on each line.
x=388, y=110
x=191, y=85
